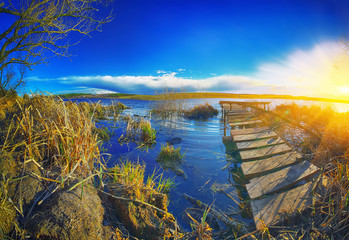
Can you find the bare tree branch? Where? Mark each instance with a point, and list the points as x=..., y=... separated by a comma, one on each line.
x=42, y=27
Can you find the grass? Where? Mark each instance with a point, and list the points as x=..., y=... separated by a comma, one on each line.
x=171, y=158
x=201, y=230
x=202, y=111
x=132, y=175
x=52, y=132
x=139, y=130
x=169, y=153
x=100, y=112
x=59, y=139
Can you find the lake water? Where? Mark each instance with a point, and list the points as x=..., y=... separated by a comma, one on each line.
x=205, y=161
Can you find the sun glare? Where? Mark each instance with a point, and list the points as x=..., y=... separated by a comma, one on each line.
x=344, y=89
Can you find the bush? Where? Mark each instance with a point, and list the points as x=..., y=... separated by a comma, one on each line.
x=203, y=111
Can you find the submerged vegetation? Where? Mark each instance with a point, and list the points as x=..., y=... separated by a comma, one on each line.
x=171, y=158
x=139, y=130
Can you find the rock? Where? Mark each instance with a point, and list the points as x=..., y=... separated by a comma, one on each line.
x=29, y=186
x=174, y=141
x=65, y=215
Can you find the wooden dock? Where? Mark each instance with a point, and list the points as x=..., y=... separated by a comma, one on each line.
x=279, y=180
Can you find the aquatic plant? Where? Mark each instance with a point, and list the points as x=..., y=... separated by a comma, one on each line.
x=201, y=230
x=202, y=111
x=140, y=131
x=171, y=158
x=169, y=153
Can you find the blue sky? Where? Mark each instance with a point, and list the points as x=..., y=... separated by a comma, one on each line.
x=281, y=47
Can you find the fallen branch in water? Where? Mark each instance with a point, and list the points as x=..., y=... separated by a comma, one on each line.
x=224, y=219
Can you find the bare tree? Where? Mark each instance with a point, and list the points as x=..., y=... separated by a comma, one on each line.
x=40, y=30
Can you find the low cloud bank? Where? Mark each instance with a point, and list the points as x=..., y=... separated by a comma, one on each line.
x=319, y=71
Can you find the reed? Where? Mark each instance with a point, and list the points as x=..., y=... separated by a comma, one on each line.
x=201, y=230
x=170, y=103
x=139, y=130
x=53, y=133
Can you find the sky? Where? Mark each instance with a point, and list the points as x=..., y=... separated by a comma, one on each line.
x=235, y=46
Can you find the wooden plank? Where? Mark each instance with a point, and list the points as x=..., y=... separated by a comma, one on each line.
x=234, y=132
x=254, y=136
x=238, y=112
x=241, y=119
x=282, y=179
x=254, y=168
x=243, y=103
x=270, y=210
x=244, y=123
x=264, y=152
x=259, y=143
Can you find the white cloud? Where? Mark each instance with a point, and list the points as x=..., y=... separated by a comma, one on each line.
x=149, y=84
x=319, y=71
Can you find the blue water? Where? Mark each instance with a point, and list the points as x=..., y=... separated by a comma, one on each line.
x=204, y=160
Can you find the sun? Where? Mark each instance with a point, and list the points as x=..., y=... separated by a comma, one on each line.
x=343, y=89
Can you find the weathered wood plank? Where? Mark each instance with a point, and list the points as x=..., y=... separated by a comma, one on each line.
x=270, y=210
x=259, y=143
x=238, y=112
x=244, y=123
x=234, y=132
x=253, y=168
x=241, y=118
x=282, y=179
x=253, y=136
x=264, y=152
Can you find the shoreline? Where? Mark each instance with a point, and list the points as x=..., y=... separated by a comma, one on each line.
x=199, y=95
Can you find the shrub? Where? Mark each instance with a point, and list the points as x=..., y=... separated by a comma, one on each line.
x=203, y=111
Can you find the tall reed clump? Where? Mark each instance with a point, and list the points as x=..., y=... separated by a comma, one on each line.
x=139, y=130
x=202, y=111
x=101, y=112
x=51, y=133
x=169, y=103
